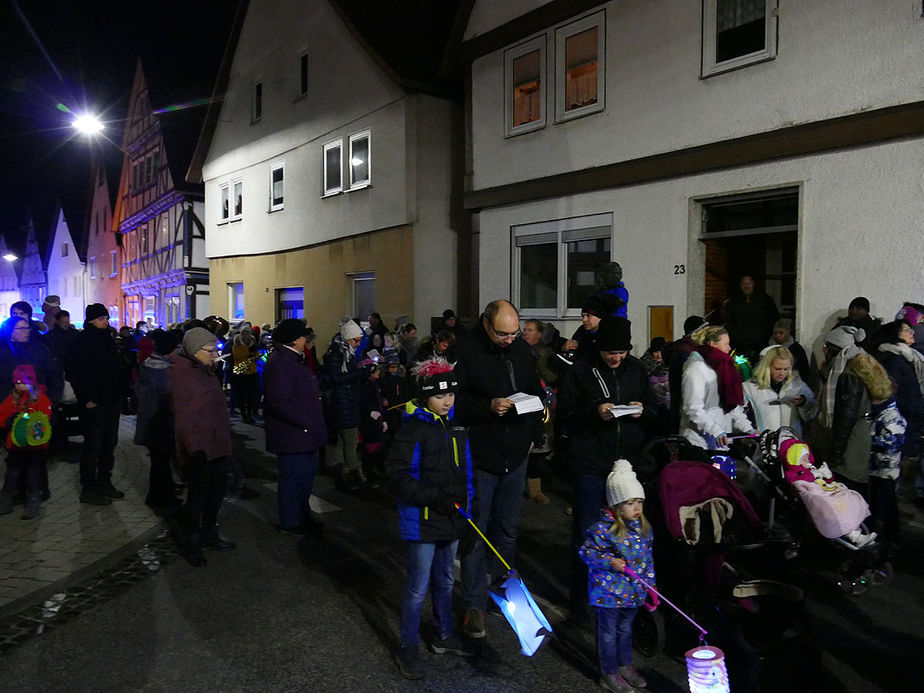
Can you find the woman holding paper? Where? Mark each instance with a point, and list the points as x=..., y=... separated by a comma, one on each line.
x=712, y=397
x=776, y=394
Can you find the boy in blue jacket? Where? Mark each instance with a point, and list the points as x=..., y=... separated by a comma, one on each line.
x=429, y=470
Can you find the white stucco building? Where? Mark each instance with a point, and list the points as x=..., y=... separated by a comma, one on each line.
x=783, y=139
x=330, y=184
x=66, y=270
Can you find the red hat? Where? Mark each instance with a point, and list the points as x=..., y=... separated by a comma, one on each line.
x=24, y=373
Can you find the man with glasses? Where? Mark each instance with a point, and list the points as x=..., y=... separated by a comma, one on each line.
x=93, y=370
x=493, y=363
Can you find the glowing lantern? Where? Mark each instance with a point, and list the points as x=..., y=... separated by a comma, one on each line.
x=706, y=670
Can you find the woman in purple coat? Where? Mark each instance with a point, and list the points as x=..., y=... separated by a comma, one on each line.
x=295, y=427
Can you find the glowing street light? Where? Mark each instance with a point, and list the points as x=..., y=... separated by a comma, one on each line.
x=88, y=124
x=10, y=257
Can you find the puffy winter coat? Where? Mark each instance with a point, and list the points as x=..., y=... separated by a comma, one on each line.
x=700, y=411
x=596, y=443
x=887, y=441
x=907, y=396
x=292, y=404
x=774, y=409
x=48, y=371
x=605, y=586
x=485, y=372
x=850, y=427
x=429, y=459
x=94, y=368
x=341, y=380
x=154, y=425
x=200, y=410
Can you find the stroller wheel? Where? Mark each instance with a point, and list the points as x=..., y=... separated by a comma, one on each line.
x=648, y=633
x=882, y=575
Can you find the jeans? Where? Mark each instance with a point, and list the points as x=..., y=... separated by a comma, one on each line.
x=297, y=471
x=430, y=564
x=499, y=499
x=614, y=638
x=100, y=425
x=589, y=499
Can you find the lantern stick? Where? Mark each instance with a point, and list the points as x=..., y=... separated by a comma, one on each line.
x=631, y=573
x=490, y=545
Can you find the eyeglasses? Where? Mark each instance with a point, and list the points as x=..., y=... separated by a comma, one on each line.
x=22, y=328
x=505, y=335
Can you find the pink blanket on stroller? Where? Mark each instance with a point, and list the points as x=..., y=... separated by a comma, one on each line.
x=834, y=512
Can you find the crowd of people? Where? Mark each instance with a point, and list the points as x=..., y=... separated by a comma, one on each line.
x=440, y=424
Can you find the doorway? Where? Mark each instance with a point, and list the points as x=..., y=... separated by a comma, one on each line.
x=754, y=234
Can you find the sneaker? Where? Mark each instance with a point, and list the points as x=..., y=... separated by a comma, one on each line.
x=31, y=510
x=632, y=677
x=409, y=662
x=107, y=489
x=473, y=624
x=91, y=496
x=865, y=539
x=615, y=683
x=450, y=645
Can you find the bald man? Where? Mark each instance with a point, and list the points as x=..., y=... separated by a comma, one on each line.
x=493, y=363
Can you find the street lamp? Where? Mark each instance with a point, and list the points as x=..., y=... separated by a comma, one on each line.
x=88, y=124
x=10, y=257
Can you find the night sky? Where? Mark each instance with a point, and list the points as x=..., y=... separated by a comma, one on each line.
x=82, y=55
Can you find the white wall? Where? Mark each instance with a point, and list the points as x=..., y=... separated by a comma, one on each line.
x=836, y=57
x=861, y=230
x=347, y=93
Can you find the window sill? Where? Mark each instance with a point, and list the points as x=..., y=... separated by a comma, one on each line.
x=525, y=128
x=737, y=64
x=235, y=219
x=332, y=193
x=276, y=209
x=222, y=222
x=359, y=186
x=576, y=113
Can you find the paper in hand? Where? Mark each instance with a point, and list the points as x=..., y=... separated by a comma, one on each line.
x=524, y=404
x=618, y=410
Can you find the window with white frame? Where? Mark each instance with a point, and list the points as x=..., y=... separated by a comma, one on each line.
x=360, y=160
x=224, y=195
x=303, y=74
x=737, y=33
x=114, y=263
x=579, y=71
x=277, y=190
x=64, y=250
x=524, y=77
x=236, y=300
x=555, y=263
x=333, y=167
x=237, y=199
x=256, y=102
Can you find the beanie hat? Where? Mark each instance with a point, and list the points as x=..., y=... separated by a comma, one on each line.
x=845, y=336
x=594, y=305
x=614, y=334
x=860, y=302
x=693, y=323
x=448, y=313
x=289, y=330
x=96, y=310
x=164, y=342
x=53, y=301
x=196, y=338
x=657, y=344
x=434, y=376
x=792, y=451
x=910, y=313
x=622, y=485
x=391, y=356
x=24, y=373
x=350, y=330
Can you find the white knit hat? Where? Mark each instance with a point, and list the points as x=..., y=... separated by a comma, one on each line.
x=622, y=484
x=845, y=336
x=350, y=330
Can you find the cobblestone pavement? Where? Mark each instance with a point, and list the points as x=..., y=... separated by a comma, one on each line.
x=70, y=539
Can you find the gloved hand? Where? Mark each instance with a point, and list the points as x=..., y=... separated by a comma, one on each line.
x=446, y=504
x=467, y=541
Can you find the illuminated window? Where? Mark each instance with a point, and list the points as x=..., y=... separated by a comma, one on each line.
x=333, y=167
x=524, y=69
x=290, y=303
x=360, y=160
x=277, y=181
x=579, y=74
x=114, y=264
x=236, y=300
x=737, y=33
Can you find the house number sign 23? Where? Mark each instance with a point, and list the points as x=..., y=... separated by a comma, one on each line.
x=680, y=269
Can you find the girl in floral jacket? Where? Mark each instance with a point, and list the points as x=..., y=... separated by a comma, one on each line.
x=621, y=537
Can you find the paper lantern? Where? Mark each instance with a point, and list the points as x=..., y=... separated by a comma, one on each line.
x=706, y=670
x=522, y=613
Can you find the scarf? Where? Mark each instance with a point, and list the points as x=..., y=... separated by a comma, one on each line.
x=826, y=415
x=729, y=380
x=915, y=358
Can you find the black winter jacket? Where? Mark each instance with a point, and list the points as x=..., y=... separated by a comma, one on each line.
x=154, y=425
x=485, y=372
x=429, y=461
x=341, y=385
x=907, y=397
x=595, y=444
x=94, y=368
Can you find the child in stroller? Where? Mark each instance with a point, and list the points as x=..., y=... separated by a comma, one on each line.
x=836, y=511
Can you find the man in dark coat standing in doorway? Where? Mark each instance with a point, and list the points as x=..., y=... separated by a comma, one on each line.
x=751, y=317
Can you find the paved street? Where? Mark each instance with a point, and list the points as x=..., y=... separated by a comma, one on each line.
x=282, y=613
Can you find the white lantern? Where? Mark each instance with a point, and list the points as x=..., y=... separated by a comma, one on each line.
x=706, y=670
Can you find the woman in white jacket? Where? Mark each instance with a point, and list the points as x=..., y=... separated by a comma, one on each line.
x=778, y=396
x=712, y=397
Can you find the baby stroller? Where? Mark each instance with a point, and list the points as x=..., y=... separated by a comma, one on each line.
x=856, y=568
x=715, y=557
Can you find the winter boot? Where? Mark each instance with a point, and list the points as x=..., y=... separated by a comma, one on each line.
x=534, y=491
x=31, y=509
x=6, y=502
x=192, y=551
